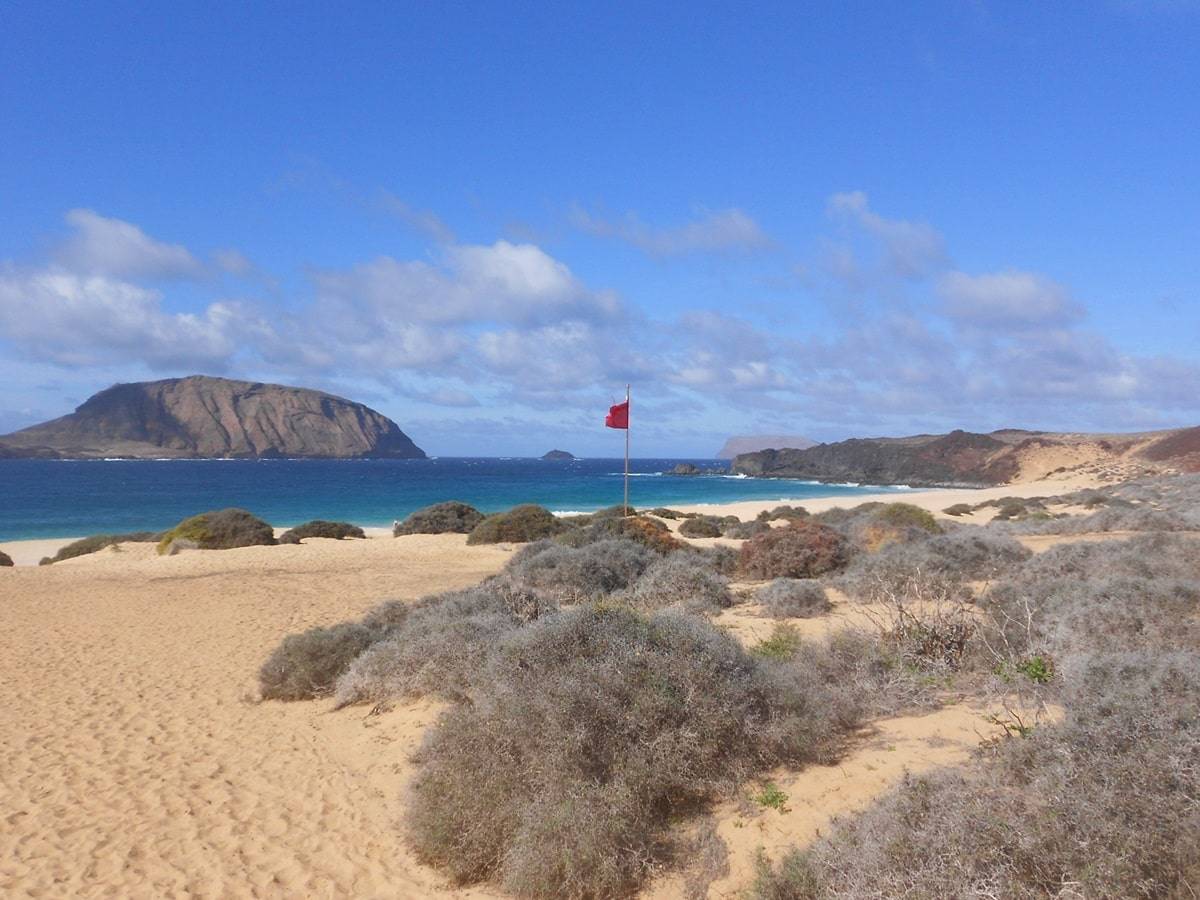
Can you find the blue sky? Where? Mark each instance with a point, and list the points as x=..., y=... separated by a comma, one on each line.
x=483, y=219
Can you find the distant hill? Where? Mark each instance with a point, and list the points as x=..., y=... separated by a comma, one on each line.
x=751, y=443
x=203, y=417
x=967, y=459
x=558, y=455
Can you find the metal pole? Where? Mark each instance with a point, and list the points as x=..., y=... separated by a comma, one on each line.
x=625, y=508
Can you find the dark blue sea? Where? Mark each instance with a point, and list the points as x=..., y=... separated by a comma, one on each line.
x=50, y=498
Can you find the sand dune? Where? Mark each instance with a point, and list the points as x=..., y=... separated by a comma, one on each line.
x=138, y=763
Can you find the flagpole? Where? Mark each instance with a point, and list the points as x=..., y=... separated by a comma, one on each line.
x=625, y=508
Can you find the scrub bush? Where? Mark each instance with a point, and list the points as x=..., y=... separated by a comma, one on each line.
x=676, y=580
x=803, y=549
x=98, y=542
x=319, y=528
x=222, y=529
x=451, y=517
x=793, y=598
x=520, y=524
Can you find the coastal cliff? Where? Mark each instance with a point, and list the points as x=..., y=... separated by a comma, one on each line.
x=201, y=417
x=965, y=459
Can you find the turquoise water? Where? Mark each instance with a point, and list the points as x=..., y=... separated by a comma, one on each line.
x=50, y=498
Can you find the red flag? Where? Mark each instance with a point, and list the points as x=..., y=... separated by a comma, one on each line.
x=618, y=416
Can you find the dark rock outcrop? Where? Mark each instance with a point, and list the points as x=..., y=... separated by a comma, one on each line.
x=752, y=443
x=202, y=417
x=558, y=455
x=957, y=458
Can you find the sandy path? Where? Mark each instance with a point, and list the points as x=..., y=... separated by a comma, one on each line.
x=133, y=765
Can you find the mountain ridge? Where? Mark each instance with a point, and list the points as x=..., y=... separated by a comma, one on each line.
x=206, y=417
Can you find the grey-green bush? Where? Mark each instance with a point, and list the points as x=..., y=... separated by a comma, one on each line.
x=222, y=529
x=574, y=574
x=701, y=527
x=676, y=580
x=440, y=644
x=98, y=542
x=520, y=524
x=793, y=598
x=561, y=776
x=451, y=517
x=306, y=665
x=319, y=528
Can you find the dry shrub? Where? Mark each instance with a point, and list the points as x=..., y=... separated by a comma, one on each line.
x=583, y=740
x=319, y=528
x=676, y=580
x=782, y=512
x=959, y=509
x=520, y=524
x=663, y=513
x=743, y=531
x=618, y=511
x=649, y=532
x=793, y=598
x=1104, y=805
x=451, y=517
x=574, y=574
x=1110, y=518
x=803, y=549
x=97, y=542
x=306, y=665
x=440, y=644
x=701, y=527
x=5, y=559
x=222, y=529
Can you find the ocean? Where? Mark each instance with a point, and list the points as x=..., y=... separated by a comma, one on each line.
x=52, y=498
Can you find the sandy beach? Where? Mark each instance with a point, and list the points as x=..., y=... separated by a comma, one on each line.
x=139, y=762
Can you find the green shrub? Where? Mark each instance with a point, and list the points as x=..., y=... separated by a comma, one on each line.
x=306, y=665
x=98, y=542
x=580, y=745
x=222, y=529
x=676, y=580
x=701, y=527
x=318, y=528
x=803, y=549
x=520, y=524
x=906, y=515
x=5, y=559
x=451, y=517
x=784, y=643
x=793, y=598
x=771, y=797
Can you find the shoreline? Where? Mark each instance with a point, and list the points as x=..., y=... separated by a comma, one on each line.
x=28, y=552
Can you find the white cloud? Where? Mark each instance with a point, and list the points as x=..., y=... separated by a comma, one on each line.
x=502, y=282
x=77, y=320
x=722, y=230
x=913, y=248
x=103, y=246
x=1009, y=299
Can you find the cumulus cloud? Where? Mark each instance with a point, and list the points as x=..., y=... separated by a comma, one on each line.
x=104, y=246
x=502, y=282
x=77, y=320
x=1009, y=299
x=725, y=230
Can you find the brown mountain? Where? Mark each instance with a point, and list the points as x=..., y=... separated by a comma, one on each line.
x=201, y=417
x=966, y=459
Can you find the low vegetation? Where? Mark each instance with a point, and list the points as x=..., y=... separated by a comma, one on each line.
x=793, y=598
x=222, y=529
x=701, y=527
x=319, y=528
x=782, y=512
x=451, y=517
x=520, y=524
x=307, y=665
x=574, y=574
x=5, y=559
x=678, y=581
x=579, y=747
x=98, y=542
x=802, y=549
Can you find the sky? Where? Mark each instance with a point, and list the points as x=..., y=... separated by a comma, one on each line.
x=484, y=219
